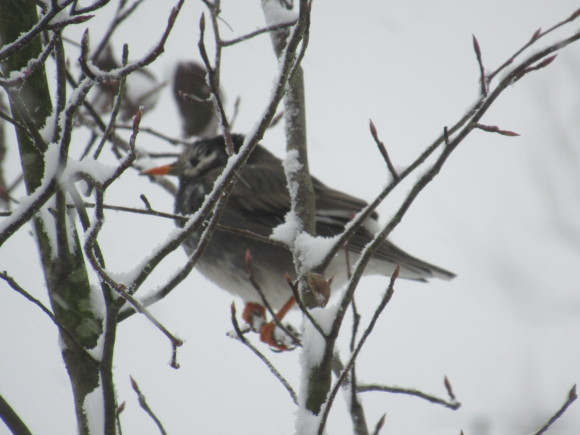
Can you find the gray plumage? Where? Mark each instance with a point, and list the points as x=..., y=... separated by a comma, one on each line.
x=259, y=202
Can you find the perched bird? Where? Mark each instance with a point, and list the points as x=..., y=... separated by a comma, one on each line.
x=258, y=203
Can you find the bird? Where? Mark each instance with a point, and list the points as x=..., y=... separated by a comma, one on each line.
x=259, y=202
x=192, y=96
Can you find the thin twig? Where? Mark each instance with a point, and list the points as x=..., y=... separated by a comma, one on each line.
x=383, y=150
x=12, y=420
x=572, y=396
x=265, y=302
x=120, y=16
x=265, y=360
x=153, y=132
x=191, y=261
x=480, y=108
x=92, y=234
x=535, y=37
x=482, y=79
x=213, y=73
x=384, y=301
x=104, y=76
x=116, y=107
x=380, y=424
x=19, y=289
x=294, y=287
x=40, y=26
x=143, y=403
x=261, y=31
x=229, y=175
x=21, y=76
x=451, y=404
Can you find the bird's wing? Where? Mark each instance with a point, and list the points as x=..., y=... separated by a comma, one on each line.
x=261, y=193
x=262, y=190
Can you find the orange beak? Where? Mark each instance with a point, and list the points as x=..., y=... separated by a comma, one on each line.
x=159, y=170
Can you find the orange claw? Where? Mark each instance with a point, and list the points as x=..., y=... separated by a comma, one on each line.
x=267, y=331
x=267, y=336
x=254, y=315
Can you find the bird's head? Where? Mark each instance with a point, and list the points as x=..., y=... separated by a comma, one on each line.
x=198, y=158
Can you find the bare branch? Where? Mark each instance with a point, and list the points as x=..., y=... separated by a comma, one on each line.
x=380, y=424
x=26, y=211
x=261, y=31
x=20, y=76
x=535, y=37
x=116, y=107
x=451, y=404
x=103, y=76
x=12, y=419
x=143, y=403
x=265, y=360
x=120, y=16
x=383, y=150
x=495, y=129
x=15, y=286
x=27, y=37
x=228, y=176
x=482, y=79
x=93, y=232
x=213, y=74
x=153, y=132
x=572, y=396
x=384, y=301
x=464, y=127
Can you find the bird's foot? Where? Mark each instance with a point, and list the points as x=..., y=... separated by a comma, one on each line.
x=255, y=316
x=277, y=338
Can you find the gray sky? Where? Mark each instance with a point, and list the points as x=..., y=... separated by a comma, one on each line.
x=503, y=214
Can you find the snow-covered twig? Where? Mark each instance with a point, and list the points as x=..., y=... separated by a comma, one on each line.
x=17, y=77
x=235, y=163
x=341, y=378
x=91, y=70
x=461, y=130
x=39, y=27
x=184, y=271
x=93, y=232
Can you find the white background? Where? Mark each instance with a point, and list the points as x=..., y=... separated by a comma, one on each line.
x=503, y=214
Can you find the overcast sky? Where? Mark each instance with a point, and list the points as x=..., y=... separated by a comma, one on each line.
x=503, y=214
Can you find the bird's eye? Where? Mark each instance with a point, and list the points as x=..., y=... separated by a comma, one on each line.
x=194, y=161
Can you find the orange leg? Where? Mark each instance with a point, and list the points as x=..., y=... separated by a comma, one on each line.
x=267, y=330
